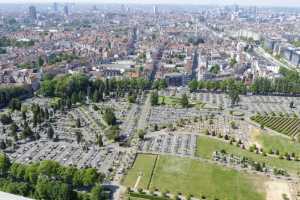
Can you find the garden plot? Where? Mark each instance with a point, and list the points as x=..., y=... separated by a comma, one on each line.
x=287, y=125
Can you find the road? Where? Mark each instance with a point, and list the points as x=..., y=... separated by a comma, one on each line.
x=271, y=59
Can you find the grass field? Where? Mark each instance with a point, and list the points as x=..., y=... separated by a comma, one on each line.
x=142, y=166
x=136, y=198
x=280, y=143
x=189, y=176
x=175, y=102
x=206, y=146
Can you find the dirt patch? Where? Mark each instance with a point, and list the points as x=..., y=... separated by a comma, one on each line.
x=254, y=134
x=276, y=189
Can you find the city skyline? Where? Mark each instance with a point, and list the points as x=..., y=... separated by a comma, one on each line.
x=287, y=3
x=150, y=99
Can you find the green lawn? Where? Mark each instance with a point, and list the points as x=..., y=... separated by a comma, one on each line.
x=143, y=166
x=175, y=102
x=170, y=101
x=136, y=198
x=194, y=177
x=206, y=146
x=280, y=143
x=190, y=176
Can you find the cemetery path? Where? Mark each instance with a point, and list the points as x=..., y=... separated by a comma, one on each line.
x=142, y=123
x=137, y=182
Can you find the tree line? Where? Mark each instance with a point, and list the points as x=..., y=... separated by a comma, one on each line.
x=7, y=93
x=78, y=86
x=7, y=42
x=217, y=85
x=288, y=83
x=49, y=180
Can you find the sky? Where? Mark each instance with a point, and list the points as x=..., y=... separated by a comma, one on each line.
x=288, y=3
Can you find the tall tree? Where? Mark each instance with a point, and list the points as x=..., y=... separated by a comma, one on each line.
x=97, y=193
x=154, y=98
x=184, y=101
x=110, y=117
x=4, y=164
x=50, y=132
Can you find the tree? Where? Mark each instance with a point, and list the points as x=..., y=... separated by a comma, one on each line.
x=6, y=119
x=163, y=84
x=24, y=115
x=49, y=168
x=51, y=189
x=233, y=94
x=141, y=134
x=262, y=126
x=215, y=69
x=13, y=129
x=15, y=104
x=99, y=140
x=2, y=145
x=233, y=125
x=78, y=137
x=31, y=173
x=68, y=103
x=154, y=98
x=109, y=117
x=77, y=178
x=184, y=101
x=132, y=98
x=193, y=85
x=46, y=113
x=232, y=62
x=291, y=105
x=78, y=123
x=40, y=61
x=96, y=96
x=4, y=164
x=74, y=98
x=97, y=193
x=90, y=176
x=114, y=133
x=27, y=132
x=50, y=132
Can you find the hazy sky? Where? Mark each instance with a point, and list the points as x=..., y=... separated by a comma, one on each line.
x=241, y=2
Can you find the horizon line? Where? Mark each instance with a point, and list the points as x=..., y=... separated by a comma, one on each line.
x=131, y=3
